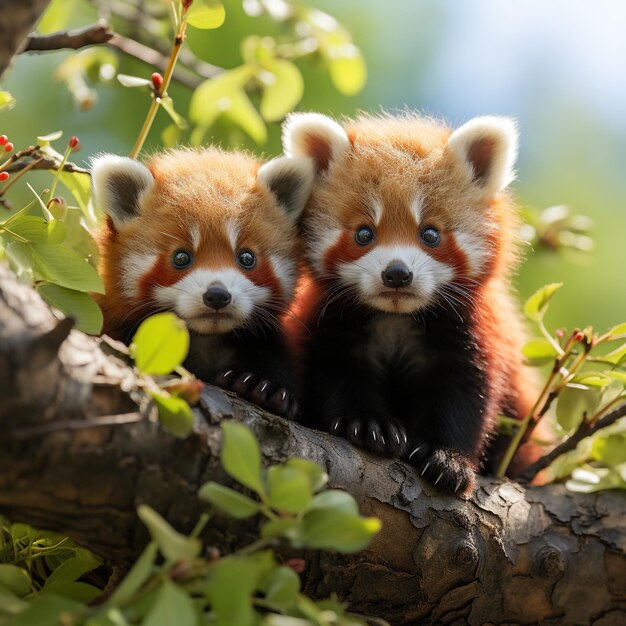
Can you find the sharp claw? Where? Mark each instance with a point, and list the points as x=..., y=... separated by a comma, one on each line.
x=438, y=478
x=356, y=431
x=335, y=425
x=264, y=387
x=374, y=435
x=398, y=439
x=414, y=451
x=246, y=379
x=283, y=395
x=382, y=440
x=404, y=436
x=425, y=468
x=225, y=375
x=458, y=484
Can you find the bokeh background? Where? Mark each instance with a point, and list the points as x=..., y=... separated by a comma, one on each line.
x=559, y=67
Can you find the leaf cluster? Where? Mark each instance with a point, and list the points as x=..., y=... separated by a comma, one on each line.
x=175, y=581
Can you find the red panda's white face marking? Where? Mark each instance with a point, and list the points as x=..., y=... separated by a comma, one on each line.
x=428, y=198
x=209, y=236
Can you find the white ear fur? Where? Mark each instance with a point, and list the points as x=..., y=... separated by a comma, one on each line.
x=290, y=179
x=118, y=184
x=315, y=136
x=487, y=147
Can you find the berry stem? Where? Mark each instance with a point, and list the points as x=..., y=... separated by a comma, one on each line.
x=19, y=174
x=157, y=96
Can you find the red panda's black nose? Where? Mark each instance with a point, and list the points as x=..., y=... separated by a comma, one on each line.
x=397, y=275
x=216, y=298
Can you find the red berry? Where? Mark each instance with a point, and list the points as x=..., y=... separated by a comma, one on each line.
x=559, y=333
x=74, y=143
x=3, y=140
x=157, y=80
x=3, y=176
x=579, y=336
x=9, y=147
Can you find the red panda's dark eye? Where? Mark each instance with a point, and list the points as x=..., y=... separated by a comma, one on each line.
x=246, y=259
x=430, y=236
x=364, y=236
x=181, y=259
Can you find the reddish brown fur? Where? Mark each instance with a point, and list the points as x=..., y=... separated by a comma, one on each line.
x=203, y=189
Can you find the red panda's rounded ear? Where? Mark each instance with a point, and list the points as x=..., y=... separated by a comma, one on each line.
x=487, y=148
x=117, y=186
x=290, y=179
x=315, y=136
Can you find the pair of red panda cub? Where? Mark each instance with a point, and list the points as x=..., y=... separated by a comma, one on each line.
x=407, y=340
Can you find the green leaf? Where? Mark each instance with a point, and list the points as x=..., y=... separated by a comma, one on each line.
x=289, y=489
x=242, y=112
x=617, y=357
x=609, y=450
x=168, y=105
x=206, y=14
x=133, y=81
x=317, y=476
x=539, y=352
x=241, y=457
x=537, y=305
x=338, y=530
x=212, y=97
x=27, y=227
x=15, y=579
x=45, y=611
x=175, y=414
x=172, y=606
x=66, y=268
x=74, y=304
x=79, y=591
x=288, y=528
x=228, y=500
x=7, y=101
x=10, y=604
x=160, y=344
x=347, y=69
x=232, y=584
x=335, y=499
x=136, y=577
x=73, y=568
x=592, y=379
x=282, y=588
x=573, y=402
x=20, y=257
x=282, y=92
x=617, y=332
x=79, y=185
x=173, y=545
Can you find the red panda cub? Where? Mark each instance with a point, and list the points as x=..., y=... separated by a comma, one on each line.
x=210, y=235
x=413, y=344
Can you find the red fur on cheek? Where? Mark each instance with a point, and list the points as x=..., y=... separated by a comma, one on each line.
x=162, y=274
x=344, y=251
x=448, y=252
x=263, y=275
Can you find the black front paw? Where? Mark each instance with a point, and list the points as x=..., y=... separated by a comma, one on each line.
x=449, y=471
x=384, y=437
x=264, y=392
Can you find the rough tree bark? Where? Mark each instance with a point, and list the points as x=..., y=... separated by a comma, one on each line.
x=81, y=448
x=17, y=19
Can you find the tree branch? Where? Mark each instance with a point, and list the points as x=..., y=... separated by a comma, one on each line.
x=90, y=36
x=584, y=430
x=17, y=19
x=508, y=554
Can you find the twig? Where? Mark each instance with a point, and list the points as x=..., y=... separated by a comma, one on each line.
x=43, y=162
x=90, y=36
x=183, y=75
x=40, y=430
x=584, y=430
